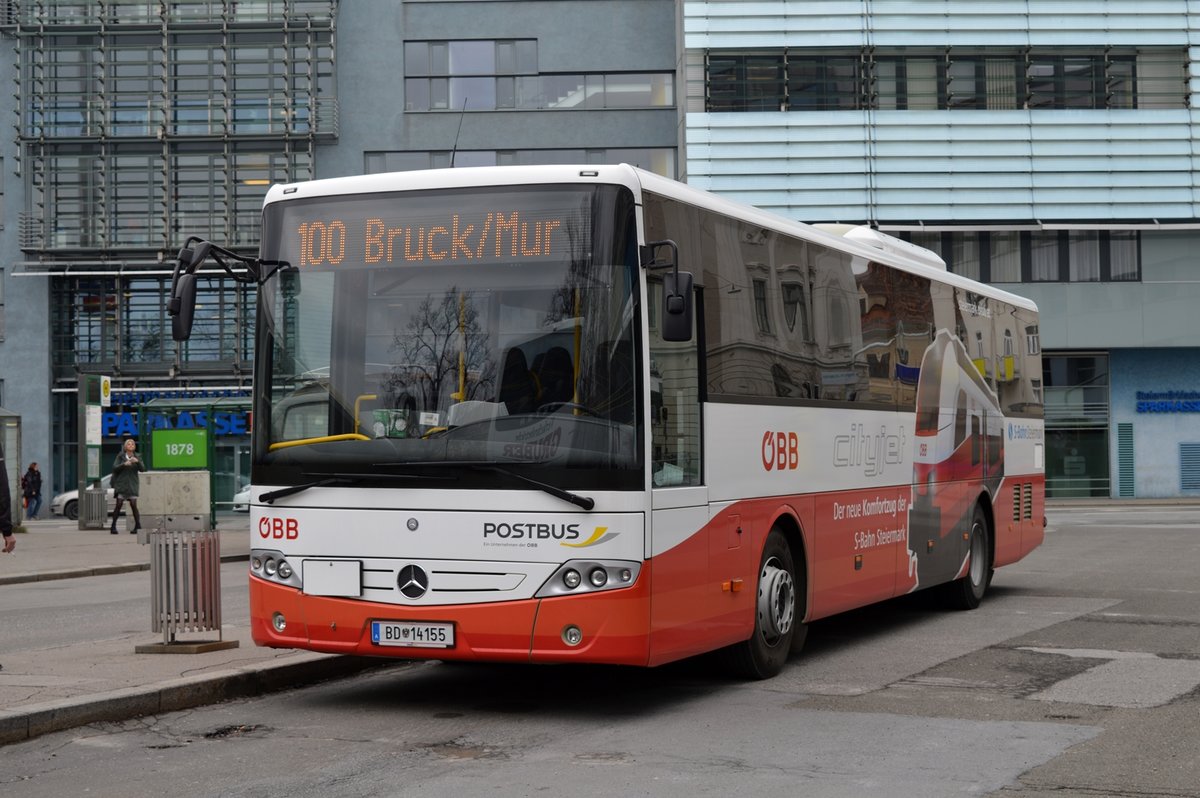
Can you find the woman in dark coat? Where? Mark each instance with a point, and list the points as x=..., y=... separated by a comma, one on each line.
x=32, y=484
x=125, y=483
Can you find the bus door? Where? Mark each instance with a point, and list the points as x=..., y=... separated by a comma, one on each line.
x=677, y=542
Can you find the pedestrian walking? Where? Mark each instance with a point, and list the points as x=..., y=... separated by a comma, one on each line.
x=125, y=483
x=6, y=527
x=31, y=485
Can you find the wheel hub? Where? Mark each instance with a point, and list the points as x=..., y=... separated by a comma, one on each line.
x=776, y=602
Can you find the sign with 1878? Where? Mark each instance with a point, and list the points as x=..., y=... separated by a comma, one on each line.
x=179, y=448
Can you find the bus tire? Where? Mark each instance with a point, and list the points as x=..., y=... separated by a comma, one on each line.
x=967, y=593
x=775, y=614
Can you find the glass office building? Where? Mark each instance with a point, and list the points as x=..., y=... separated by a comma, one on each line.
x=138, y=123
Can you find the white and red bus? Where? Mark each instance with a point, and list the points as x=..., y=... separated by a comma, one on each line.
x=589, y=414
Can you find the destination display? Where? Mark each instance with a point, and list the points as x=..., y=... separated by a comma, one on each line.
x=398, y=230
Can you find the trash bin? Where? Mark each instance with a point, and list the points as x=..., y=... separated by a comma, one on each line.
x=185, y=577
x=93, y=509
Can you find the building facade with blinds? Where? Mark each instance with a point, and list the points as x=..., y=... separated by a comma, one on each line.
x=1044, y=147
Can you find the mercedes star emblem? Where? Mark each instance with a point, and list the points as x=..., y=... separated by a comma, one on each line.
x=413, y=582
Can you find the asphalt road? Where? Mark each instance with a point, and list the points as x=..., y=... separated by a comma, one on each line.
x=39, y=615
x=1079, y=676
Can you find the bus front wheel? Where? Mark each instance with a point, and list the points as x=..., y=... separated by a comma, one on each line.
x=775, y=614
x=967, y=593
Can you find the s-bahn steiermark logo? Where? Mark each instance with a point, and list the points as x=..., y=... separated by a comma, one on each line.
x=412, y=581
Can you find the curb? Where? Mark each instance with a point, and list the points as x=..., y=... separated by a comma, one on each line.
x=99, y=570
x=115, y=706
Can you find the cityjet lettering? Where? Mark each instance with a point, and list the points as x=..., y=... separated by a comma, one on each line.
x=870, y=451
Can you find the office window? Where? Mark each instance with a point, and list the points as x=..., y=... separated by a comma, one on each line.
x=964, y=84
x=1004, y=260
x=951, y=78
x=825, y=83
x=487, y=75
x=1123, y=256
x=1011, y=256
x=964, y=255
x=1084, y=256
x=1044, y=257
x=746, y=83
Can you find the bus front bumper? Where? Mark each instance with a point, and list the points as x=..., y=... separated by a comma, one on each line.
x=614, y=625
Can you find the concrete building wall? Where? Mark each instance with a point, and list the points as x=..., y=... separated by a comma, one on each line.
x=25, y=348
x=572, y=37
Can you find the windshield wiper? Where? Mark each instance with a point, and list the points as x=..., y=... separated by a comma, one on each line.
x=272, y=495
x=338, y=479
x=586, y=502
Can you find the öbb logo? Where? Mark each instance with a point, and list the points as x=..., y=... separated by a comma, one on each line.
x=278, y=528
x=780, y=451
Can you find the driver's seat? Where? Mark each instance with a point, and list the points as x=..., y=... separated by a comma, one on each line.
x=557, y=377
x=517, y=389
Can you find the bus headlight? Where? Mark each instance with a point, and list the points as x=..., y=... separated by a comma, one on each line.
x=272, y=566
x=568, y=579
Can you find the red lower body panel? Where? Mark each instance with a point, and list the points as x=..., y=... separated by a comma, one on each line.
x=614, y=624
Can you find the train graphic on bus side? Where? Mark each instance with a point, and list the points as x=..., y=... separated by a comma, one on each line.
x=959, y=445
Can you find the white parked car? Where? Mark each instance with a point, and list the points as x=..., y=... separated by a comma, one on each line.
x=241, y=499
x=67, y=504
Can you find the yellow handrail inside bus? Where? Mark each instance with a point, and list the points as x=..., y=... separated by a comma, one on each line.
x=368, y=397
x=348, y=436
x=461, y=394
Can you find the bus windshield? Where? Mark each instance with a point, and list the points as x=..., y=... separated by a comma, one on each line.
x=411, y=330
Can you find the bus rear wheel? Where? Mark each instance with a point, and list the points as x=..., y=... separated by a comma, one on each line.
x=775, y=614
x=967, y=593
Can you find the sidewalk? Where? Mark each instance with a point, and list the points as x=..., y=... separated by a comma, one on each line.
x=52, y=689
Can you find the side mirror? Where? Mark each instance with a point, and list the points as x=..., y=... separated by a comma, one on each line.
x=678, y=306
x=183, y=307
x=191, y=257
